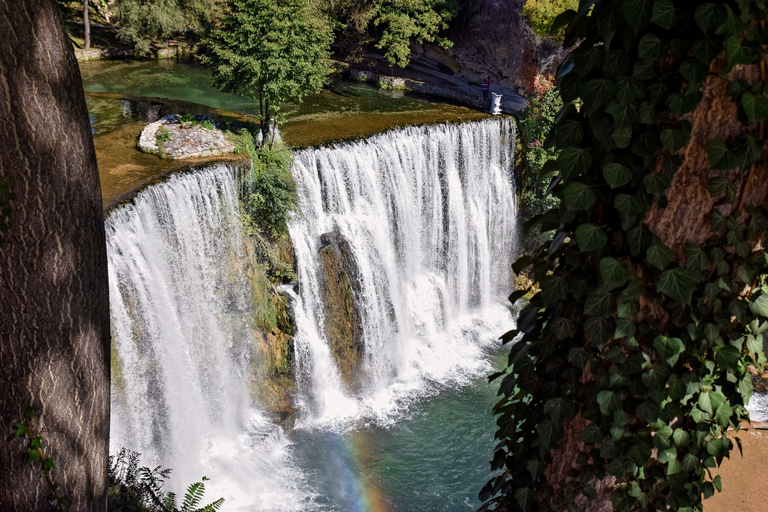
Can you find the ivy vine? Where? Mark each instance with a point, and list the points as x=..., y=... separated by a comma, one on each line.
x=640, y=348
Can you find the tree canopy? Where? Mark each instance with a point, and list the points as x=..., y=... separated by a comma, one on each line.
x=270, y=50
x=633, y=359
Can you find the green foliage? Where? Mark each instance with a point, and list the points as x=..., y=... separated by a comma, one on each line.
x=270, y=191
x=402, y=21
x=647, y=344
x=535, y=123
x=147, y=22
x=163, y=135
x=140, y=489
x=270, y=50
x=542, y=13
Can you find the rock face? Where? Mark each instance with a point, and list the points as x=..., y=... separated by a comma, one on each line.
x=487, y=41
x=343, y=327
x=177, y=137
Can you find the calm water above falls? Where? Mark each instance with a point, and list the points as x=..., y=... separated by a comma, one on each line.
x=430, y=217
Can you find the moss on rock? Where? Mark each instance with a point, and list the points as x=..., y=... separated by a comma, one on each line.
x=343, y=326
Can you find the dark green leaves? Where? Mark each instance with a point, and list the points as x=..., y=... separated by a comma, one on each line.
x=720, y=157
x=668, y=349
x=568, y=133
x=590, y=237
x=597, y=93
x=553, y=289
x=574, y=161
x=559, y=409
x=608, y=401
x=674, y=140
x=659, y=255
x=663, y=14
x=709, y=16
x=755, y=105
x=630, y=205
x=614, y=273
x=578, y=196
x=678, y=283
x=651, y=47
x=616, y=175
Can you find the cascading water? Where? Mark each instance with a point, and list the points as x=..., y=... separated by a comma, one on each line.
x=429, y=217
x=182, y=344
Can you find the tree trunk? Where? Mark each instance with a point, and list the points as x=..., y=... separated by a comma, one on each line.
x=54, y=310
x=86, y=26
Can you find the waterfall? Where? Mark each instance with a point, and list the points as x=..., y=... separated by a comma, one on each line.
x=181, y=344
x=428, y=219
x=429, y=215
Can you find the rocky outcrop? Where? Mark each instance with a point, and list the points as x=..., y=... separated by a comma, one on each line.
x=343, y=327
x=488, y=40
x=178, y=137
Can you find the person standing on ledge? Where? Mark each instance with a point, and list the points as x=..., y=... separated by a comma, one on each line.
x=485, y=87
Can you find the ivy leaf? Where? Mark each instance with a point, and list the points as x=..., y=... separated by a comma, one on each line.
x=549, y=433
x=755, y=105
x=614, y=273
x=598, y=303
x=651, y=47
x=656, y=183
x=616, y=175
x=637, y=12
x=526, y=498
x=568, y=133
x=574, y=161
x=737, y=54
x=668, y=349
x=720, y=157
x=656, y=377
x=674, y=140
x=628, y=89
x=678, y=284
x=622, y=135
x=590, y=237
x=693, y=70
x=578, y=196
x=608, y=402
x=630, y=205
x=563, y=328
x=639, y=238
x=559, y=409
x=659, y=255
x=709, y=16
x=706, y=49
x=681, y=104
x=649, y=411
x=759, y=305
x=696, y=258
x=644, y=69
x=599, y=329
x=616, y=63
x=681, y=438
x=723, y=415
x=597, y=93
x=554, y=289
x=663, y=14
x=592, y=434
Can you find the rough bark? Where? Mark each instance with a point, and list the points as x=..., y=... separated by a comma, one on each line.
x=54, y=310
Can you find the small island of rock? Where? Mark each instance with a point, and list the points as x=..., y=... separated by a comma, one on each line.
x=188, y=136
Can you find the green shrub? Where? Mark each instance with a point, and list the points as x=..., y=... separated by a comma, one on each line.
x=270, y=191
x=163, y=135
x=541, y=13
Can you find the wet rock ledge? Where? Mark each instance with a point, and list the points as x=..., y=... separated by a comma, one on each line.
x=179, y=137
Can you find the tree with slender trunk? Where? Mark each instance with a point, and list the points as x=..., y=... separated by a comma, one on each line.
x=54, y=310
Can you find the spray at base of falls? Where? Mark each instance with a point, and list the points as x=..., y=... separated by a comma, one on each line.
x=428, y=217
